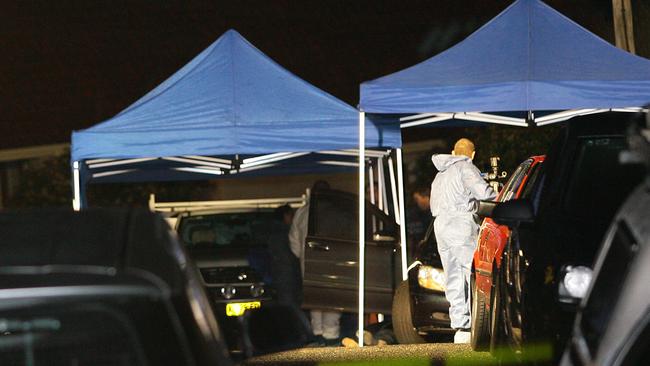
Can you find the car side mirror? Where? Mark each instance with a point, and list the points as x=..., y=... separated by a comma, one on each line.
x=512, y=213
x=275, y=328
x=485, y=208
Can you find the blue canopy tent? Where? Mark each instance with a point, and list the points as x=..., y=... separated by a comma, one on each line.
x=528, y=65
x=230, y=99
x=530, y=59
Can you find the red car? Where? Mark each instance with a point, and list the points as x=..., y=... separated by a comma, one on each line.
x=487, y=258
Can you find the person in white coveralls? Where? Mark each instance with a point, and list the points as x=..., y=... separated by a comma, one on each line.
x=455, y=193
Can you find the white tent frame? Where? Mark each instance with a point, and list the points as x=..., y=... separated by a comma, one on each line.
x=427, y=118
x=210, y=166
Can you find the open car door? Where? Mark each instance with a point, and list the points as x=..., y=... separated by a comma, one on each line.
x=332, y=255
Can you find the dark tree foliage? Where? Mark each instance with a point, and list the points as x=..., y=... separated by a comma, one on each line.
x=47, y=183
x=44, y=183
x=137, y=194
x=511, y=144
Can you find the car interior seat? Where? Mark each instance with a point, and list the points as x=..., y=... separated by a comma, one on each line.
x=202, y=235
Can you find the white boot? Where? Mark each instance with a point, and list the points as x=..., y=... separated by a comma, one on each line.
x=462, y=336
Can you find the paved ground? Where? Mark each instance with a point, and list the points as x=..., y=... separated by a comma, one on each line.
x=399, y=355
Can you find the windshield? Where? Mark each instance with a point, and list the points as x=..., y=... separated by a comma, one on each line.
x=599, y=182
x=227, y=230
x=120, y=331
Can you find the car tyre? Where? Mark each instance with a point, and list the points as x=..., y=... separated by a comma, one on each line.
x=496, y=316
x=403, y=327
x=480, y=326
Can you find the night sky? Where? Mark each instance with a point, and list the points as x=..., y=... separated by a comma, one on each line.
x=68, y=65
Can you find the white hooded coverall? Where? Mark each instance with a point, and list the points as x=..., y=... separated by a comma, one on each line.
x=455, y=193
x=323, y=323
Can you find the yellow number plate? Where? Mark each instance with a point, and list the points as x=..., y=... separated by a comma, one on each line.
x=239, y=308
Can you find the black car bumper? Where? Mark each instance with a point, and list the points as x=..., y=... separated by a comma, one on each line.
x=429, y=308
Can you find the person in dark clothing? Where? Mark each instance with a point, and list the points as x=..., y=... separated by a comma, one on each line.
x=285, y=266
x=418, y=218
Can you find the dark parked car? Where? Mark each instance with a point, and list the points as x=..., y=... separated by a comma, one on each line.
x=331, y=262
x=612, y=326
x=110, y=287
x=229, y=246
x=545, y=267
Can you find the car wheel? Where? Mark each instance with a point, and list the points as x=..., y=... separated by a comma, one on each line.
x=480, y=339
x=402, y=319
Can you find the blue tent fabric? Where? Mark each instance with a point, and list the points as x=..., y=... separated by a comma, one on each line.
x=529, y=57
x=230, y=99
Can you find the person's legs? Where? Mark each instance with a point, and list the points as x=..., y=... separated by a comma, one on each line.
x=451, y=268
x=316, y=318
x=463, y=257
x=316, y=322
x=456, y=247
x=331, y=324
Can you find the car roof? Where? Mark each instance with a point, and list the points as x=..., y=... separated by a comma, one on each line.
x=538, y=158
x=610, y=123
x=217, y=211
x=111, y=241
x=23, y=290
x=38, y=277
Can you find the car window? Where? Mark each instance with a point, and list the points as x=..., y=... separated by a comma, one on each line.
x=598, y=182
x=515, y=181
x=131, y=333
x=95, y=339
x=534, y=175
x=381, y=223
x=607, y=286
x=335, y=216
x=227, y=230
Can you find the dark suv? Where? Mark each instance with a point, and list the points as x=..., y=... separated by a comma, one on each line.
x=101, y=287
x=612, y=326
x=545, y=266
x=229, y=246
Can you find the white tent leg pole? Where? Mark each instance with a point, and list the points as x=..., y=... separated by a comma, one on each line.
x=393, y=190
x=382, y=186
x=402, y=227
x=76, y=200
x=362, y=220
x=371, y=184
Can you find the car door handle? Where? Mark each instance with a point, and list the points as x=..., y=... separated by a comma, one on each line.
x=383, y=238
x=318, y=246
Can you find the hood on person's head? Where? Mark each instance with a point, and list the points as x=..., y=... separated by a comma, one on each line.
x=443, y=161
